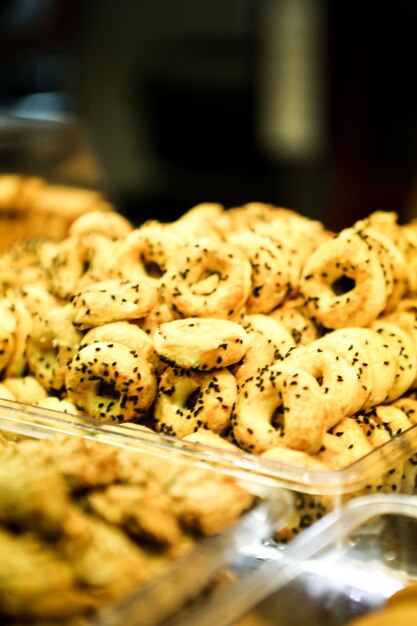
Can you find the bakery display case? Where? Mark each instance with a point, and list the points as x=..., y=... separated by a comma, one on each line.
x=208, y=399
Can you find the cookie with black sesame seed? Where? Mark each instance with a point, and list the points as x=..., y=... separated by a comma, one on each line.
x=189, y=400
x=406, y=319
x=260, y=352
x=145, y=252
x=275, y=331
x=50, y=346
x=280, y=406
x=201, y=343
x=207, y=279
x=381, y=362
x=380, y=425
x=108, y=381
x=357, y=355
x=408, y=405
x=401, y=345
x=336, y=378
x=127, y=333
x=8, y=327
x=79, y=261
x=270, y=276
x=111, y=301
x=344, y=443
x=292, y=314
x=343, y=283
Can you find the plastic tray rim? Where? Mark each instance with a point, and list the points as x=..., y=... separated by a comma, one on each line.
x=24, y=418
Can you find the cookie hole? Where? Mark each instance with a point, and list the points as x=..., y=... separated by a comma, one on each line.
x=152, y=269
x=86, y=266
x=108, y=391
x=207, y=284
x=192, y=399
x=343, y=285
x=278, y=419
x=51, y=355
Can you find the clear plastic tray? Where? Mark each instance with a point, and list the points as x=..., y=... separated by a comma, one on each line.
x=190, y=574
x=346, y=565
x=316, y=491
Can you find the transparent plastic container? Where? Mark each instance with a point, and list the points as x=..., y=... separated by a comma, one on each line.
x=316, y=492
x=345, y=565
x=190, y=574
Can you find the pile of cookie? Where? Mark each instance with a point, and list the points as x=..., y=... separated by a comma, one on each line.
x=84, y=524
x=31, y=206
x=251, y=328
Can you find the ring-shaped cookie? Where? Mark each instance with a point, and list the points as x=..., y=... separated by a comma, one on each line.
x=380, y=425
x=287, y=248
x=405, y=319
x=126, y=333
x=357, y=357
x=145, y=252
x=201, y=343
x=7, y=332
x=386, y=223
x=343, y=283
x=260, y=352
x=188, y=400
x=281, y=406
x=401, y=345
x=270, y=277
x=52, y=343
x=344, y=444
x=336, y=378
x=382, y=364
x=387, y=265
x=210, y=280
x=112, y=301
x=201, y=221
x=398, y=264
x=25, y=389
x=295, y=319
x=275, y=331
x=109, y=382
x=109, y=223
x=80, y=261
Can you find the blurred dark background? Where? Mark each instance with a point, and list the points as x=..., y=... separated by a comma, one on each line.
x=309, y=104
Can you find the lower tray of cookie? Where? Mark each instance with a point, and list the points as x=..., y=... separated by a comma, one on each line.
x=95, y=529
x=388, y=468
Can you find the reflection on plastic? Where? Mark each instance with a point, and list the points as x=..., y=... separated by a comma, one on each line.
x=225, y=607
